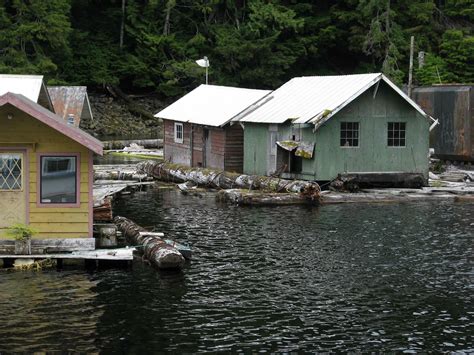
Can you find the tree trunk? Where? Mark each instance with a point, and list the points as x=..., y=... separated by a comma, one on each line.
x=226, y=180
x=122, y=24
x=155, y=249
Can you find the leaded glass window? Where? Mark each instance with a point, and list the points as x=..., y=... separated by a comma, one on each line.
x=10, y=171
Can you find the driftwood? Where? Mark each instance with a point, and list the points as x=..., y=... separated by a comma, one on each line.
x=226, y=180
x=259, y=198
x=155, y=249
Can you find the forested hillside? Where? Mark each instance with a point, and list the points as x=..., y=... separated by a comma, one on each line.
x=152, y=45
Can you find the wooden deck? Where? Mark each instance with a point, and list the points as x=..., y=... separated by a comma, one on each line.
x=120, y=254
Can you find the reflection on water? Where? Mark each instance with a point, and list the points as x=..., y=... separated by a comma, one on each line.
x=392, y=277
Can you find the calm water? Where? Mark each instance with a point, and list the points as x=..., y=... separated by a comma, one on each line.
x=338, y=278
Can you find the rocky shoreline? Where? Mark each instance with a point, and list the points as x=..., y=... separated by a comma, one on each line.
x=114, y=118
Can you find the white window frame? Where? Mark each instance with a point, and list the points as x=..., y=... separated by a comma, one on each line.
x=177, y=137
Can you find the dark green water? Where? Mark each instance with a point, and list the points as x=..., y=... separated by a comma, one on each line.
x=394, y=277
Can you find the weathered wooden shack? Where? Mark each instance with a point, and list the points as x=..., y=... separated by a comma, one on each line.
x=453, y=106
x=46, y=174
x=71, y=103
x=314, y=128
x=198, y=128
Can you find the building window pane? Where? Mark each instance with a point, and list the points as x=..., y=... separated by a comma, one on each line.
x=58, y=179
x=396, y=134
x=10, y=171
x=349, y=134
x=178, y=132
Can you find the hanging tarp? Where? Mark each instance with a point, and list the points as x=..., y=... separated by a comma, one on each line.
x=305, y=150
x=288, y=145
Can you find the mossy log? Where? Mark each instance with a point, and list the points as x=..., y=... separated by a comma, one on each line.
x=226, y=180
x=154, y=249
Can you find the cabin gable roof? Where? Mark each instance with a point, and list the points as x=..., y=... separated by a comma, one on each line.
x=52, y=120
x=316, y=99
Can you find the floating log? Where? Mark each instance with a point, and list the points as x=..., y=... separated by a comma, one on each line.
x=259, y=198
x=145, y=143
x=118, y=172
x=382, y=179
x=226, y=180
x=156, y=250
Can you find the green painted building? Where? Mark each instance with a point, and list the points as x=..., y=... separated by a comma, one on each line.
x=314, y=128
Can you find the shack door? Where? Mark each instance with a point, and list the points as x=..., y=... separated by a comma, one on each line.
x=12, y=189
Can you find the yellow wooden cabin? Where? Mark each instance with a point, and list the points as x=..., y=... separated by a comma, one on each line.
x=46, y=175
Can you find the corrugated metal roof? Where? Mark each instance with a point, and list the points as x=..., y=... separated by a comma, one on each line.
x=52, y=120
x=314, y=99
x=211, y=105
x=30, y=86
x=70, y=100
x=26, y=85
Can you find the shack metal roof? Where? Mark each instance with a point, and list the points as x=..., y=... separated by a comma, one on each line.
x=211, y=105
x=315, y=99
x=71, y=100
x=52, y=120
x=30, y=86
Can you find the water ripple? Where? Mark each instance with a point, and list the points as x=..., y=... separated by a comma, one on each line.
x=337, y=278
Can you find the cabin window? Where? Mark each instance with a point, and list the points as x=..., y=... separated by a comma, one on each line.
x=396, y=134
x=10, y=171
x=58, y=179
x=349, y=134
x=178, y=132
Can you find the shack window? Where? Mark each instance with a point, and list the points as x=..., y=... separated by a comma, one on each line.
x=396, y=134
x=349, y=134
x=58, y=180
x=178, y=132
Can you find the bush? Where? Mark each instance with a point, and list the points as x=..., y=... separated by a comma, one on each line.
x=21, y=232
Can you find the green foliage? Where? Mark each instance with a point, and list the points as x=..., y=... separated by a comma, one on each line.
x=21, y=232
x=433, y=72
x=254, y=43
x=34, y=36
x=457, y=50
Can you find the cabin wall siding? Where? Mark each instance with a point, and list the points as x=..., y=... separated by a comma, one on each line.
x=215, y=148
x=255, y=148
x=234, y=148
x=222, y=149
x=51, y=222
x=178, y=153
x=373, y=153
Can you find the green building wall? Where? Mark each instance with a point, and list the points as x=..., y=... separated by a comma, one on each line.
x=330, y=159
